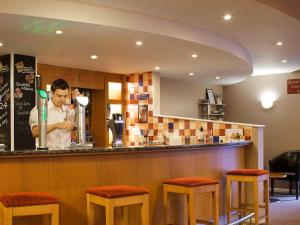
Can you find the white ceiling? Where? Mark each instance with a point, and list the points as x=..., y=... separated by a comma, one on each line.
x=170, y=30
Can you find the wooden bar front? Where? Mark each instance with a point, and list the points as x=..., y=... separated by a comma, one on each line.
x=68, y=176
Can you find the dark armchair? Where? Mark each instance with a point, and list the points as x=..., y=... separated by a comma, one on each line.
x=289, y=163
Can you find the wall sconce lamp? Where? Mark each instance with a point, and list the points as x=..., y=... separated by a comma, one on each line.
x=267, y=100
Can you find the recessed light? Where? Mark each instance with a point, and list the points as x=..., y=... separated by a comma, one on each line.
x=59, y=32
x=194, y=55
x=1, y=44
x=279, y=43
x=94, y=57
x=139, y=43
x=218, y=78
x=284, y=61
x=227, y=17
x=157, y=68
x=191, y=74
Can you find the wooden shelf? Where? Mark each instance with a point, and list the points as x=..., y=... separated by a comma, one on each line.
x=206, y=110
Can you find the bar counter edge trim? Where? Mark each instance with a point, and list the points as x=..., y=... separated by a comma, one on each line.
x=124, y=150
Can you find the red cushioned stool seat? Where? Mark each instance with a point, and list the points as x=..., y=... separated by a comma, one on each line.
x=191, y=187
x=260, y=196
x=27, y=199
x=28, y=204
x=191, y=181
x=117, y=191
x=248, y=172
x=117, y=196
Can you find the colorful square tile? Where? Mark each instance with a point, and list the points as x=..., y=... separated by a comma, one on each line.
x=181, y=132
x=222, y=126
x=141, y=83
x=186, y=124
x=193, y=132
x=222, y=132
x=170, y=125
x=216, y=139
x=216, y=132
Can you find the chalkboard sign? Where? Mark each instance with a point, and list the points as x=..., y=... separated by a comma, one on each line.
x=5, y=100
x=24, y=97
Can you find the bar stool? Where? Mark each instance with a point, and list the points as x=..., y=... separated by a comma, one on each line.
x=253, y=176
x=192, y=186
x=28, y=204
x=115, y=196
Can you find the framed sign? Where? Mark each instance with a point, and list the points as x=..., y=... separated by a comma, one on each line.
x=143, y=113
x=210, y=96
x=293, y=86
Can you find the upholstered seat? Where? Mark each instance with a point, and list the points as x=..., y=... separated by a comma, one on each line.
x=28, y=204
x=27, y=199
x=192, y=186
x=116, y=191
x=248, y=172
x=252, y=177
x=117, y=196
x=191, y=181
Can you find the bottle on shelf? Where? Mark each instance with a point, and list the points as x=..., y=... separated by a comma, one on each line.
x=201, y=138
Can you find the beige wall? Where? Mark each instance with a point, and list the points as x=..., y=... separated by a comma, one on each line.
x=282, y=122
x=178, y=98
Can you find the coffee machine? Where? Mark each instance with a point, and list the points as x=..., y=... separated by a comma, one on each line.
x=116, y=125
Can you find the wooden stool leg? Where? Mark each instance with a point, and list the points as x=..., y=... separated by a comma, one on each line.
x=109, y=214
x=7, y=216
x=165, y=207
x=240, y=191
x=90, y=211
x=266, y=192
x=228, y=199
x=124, y=219
x=55, y=215
x=145, y=211
x=191, y=209
x=215, y=197
x=256, y=201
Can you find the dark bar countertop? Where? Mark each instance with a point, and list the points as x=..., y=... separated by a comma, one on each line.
x=119, y=150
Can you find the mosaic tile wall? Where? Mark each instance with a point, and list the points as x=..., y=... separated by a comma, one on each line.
x=139, y=94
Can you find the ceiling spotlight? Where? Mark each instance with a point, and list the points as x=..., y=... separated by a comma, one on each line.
x=194, y=55
x=94, y=57
x=284, y=61
x=139, y=43
x=279, y=43
x=227, y=17
x=1, y=44
x=191, y=74
x=157, y=68
x=59, y=32
x=218, y=78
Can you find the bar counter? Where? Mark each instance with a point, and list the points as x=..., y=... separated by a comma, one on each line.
x=119, y=150
x=68, y=173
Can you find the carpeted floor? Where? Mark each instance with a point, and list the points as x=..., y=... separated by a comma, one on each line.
x=285, y=212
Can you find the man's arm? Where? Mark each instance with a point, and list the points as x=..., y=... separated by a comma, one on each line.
x=66, y=125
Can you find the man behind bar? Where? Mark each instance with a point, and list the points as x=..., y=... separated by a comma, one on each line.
x=60, y=119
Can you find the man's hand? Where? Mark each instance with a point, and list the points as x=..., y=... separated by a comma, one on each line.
x=66, y=125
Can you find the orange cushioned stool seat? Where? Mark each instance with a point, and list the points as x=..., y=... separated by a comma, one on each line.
x=192, y=186
x=28, y=204
x=115, y=196
x=252, y=176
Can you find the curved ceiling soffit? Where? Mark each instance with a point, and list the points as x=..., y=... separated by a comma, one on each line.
x=118, y=18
